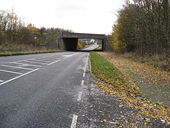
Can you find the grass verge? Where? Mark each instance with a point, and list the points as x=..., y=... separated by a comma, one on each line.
x=11, y=53
x=128, y=92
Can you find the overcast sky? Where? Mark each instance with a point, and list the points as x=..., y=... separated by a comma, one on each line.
x=88, y=16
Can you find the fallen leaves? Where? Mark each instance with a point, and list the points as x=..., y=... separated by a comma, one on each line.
x=127, y=90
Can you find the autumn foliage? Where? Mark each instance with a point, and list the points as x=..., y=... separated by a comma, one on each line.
x=143, y=27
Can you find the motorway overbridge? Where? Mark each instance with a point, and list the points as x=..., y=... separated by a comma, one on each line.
x=68, y=41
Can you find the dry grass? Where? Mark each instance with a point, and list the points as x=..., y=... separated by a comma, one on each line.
x=126, y=90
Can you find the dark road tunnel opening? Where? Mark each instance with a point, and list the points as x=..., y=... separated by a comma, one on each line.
x=70, y=44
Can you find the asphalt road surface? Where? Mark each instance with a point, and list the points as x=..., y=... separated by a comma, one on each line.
x=92, y=47
x=41, y=90
x=54, y=91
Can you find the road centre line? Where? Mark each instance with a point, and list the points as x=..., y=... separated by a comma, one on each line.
x=53, y=62
x=17, y=67
x=35, y=62
x=79, y=96
x=82, y=82
x=19, y=76
x=1, y=80
x=11, y=72
x=25, y=64
x=74, y=121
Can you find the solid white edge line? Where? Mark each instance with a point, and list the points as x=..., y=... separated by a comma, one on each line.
x=17, y=67
x=79, y=96
x=11, y=72
x=53, y=62
x=82, y=82
x=74, y=121
x=18, y=76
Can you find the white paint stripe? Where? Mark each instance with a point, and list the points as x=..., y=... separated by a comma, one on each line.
x=38, y=60
x=10, y=72
x=84, y=68
x=84, y=74
x=25, y=64
x=17, y=67
x=53, y=62
x=19, y=76
x=1, y=81
x=34, y=62
x=74, y=121
x=79, y=96
x=82, y=82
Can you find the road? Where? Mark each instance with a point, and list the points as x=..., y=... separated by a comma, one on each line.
x=92, y=47
x=41, y=90
x=55, y=90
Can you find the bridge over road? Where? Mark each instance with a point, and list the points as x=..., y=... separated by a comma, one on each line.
x=68, y=41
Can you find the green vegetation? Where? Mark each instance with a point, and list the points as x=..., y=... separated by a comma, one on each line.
x=113, y=82
x=8, y=53
x=143, y=27
x=105, y=70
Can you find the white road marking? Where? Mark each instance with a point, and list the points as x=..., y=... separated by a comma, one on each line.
x=82, y=82
x=38, y=60
x=85, y=67
x=69, y=55
x=84, y=74
x=79, y=96
x=24, y=64
x=74, y=121
x=53, y=62
x=17, y=67
x=1, y=81
x=11, y=72
x=18, y=76
x=34, y=62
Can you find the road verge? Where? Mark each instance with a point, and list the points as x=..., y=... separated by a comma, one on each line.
x=112, y=81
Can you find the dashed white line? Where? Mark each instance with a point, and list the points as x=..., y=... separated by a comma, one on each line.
x=82, y=82
x=84, y=74
x=17, y=67
x=11, y=72
x=79, y=96
x=1, y=81
x=18, y=76
x=74, y=121
x=53, y=62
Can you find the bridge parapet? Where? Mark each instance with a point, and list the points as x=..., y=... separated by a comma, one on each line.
x=83, y=36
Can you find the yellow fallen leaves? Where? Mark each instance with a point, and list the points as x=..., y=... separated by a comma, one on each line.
x=127, y=90
x=136, y=101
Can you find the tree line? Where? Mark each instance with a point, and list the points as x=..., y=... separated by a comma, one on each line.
x=143, y=27
x=16, y=35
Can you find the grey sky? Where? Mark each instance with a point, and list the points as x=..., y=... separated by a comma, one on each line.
x=92, y=16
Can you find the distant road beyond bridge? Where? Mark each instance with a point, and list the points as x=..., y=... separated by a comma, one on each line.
x=68, y=41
